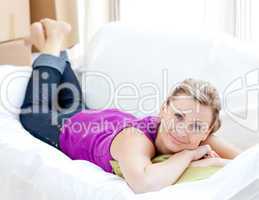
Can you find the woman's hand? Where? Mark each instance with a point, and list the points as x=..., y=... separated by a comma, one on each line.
x=201, y=152
x=212, y=154
x=208, y=162
x=222, y=147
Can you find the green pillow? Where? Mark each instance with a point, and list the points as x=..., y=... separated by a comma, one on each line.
x=190, y=174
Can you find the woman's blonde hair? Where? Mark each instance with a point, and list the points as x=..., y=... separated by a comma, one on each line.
x=204, y=93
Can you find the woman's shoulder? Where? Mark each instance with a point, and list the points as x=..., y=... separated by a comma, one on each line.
x=130, y=140
x=149, y=123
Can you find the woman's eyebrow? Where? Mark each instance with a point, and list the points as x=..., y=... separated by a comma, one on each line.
x=180, y=113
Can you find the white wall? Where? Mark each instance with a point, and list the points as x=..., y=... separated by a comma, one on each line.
x=217, y=15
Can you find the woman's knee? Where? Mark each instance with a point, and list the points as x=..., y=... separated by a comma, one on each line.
x=27, y=120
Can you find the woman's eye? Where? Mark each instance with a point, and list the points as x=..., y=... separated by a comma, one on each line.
x=178, y=116
x=196, y=127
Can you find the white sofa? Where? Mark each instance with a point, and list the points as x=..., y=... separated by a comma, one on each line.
x=145, y=64
x=30, y=169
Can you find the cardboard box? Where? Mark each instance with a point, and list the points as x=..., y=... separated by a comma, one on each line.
x=14, y=19
x=64, y=10
x=15, y=53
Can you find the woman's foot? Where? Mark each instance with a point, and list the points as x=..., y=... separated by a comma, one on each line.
x=55, y=32
x=37, y=37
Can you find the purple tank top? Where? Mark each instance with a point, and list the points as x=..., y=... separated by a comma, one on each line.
x=88, y=134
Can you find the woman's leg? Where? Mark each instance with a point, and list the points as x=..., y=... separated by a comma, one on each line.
x=38, y=108
x=45, y=77
x=66, y=95
x=38, y=111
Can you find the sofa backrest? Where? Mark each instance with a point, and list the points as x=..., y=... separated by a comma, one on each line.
x=134, y=70
x=138, y=62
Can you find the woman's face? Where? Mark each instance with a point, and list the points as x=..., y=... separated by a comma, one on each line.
x=184, y=125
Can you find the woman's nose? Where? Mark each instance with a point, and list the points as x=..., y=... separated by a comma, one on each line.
x=182, y=134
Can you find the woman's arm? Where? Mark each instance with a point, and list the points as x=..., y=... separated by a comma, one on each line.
x=222, y=148
x=208, y=162
x=133, y=150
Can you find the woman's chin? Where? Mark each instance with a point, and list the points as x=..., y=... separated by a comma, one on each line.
x=174, y=148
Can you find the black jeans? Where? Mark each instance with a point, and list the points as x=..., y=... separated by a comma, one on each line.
x=53, y=94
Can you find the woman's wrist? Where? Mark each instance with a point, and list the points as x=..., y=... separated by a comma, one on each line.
x=190, y=154
x=210, y=162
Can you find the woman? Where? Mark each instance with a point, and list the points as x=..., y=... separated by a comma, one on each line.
x=183, y=128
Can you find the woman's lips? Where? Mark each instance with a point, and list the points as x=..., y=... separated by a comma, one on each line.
x=176, y=140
